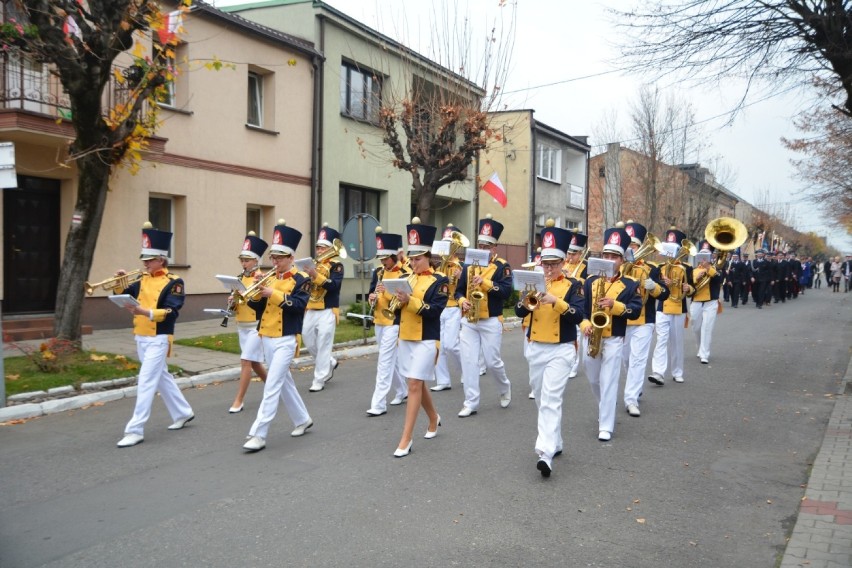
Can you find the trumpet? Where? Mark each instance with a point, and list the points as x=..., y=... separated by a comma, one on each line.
x=336, y=249
x=531, y=297
x=117, y=281
x=252, y=292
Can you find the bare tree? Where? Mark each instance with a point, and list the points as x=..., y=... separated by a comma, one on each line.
x=436, y=125
x=768, y=40
x=827, y=160
x=80, y=41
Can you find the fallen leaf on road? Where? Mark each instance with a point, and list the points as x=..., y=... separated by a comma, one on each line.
x=640, y=521
x=769, y=501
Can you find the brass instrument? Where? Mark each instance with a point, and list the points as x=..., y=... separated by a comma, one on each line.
x=252, y=292
x=336, y=249
x=394, y=305
x=600, y=319
x=650, y=245
x=475, y=297
x=581, y=261
x=724, y=234
x=449, y=262
x=531, y=298
x=117, y=281
x=380, y=275
x=676, y=273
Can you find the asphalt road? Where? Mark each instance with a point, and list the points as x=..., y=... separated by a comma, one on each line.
x=710, y=475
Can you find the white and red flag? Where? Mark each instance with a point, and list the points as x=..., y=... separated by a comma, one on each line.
x=494, y=188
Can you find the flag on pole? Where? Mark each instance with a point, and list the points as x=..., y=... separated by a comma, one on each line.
x=494, y=188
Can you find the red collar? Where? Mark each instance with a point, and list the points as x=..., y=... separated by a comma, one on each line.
x=160, y=272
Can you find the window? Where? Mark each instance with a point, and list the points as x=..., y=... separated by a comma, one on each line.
x=255, y=99
x=576, y=197
x=360, y=93
x=356, y=200
x=602, y=172
x=161, y=216
x=549, y=163
x=174, y=94
x=254, y=216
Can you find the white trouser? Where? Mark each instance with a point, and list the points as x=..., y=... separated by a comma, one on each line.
x=669, y=349
x=575, y=368
x=602, y=372
x=279, y=353
x=703, y=316
x=387, y=373
x=450, y=352
x=637, y=344
x=154, y=376
x=549, y=364
x=318, y=334
x=484, y=337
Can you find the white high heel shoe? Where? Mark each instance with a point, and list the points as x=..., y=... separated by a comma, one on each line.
x=429, y=435
x=402, y=452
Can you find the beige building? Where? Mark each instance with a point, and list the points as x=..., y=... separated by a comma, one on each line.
x=544, y=172
x=234, y=153
x=363, y=71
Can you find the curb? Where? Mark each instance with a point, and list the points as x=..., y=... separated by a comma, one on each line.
x=33, y=410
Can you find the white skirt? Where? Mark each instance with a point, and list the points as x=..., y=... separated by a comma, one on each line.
x=417, y=359
x=250, y=346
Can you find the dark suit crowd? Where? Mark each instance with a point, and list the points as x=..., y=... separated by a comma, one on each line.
x=771, y=277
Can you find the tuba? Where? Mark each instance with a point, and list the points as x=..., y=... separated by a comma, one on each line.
x=447, y=262
x=724, y=234
x=336, y=249
x=600, y=320
x=677, y=273
x=117, y=281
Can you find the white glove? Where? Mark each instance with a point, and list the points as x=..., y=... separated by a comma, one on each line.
x=650, y=284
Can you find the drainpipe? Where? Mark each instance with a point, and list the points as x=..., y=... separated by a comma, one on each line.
x=533, y=165
x=319, y=84
x=586, y=196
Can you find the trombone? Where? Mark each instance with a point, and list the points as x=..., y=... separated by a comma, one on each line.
x=119, y=280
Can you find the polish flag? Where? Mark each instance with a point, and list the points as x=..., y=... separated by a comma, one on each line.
x=495, y=189
x=170, y=24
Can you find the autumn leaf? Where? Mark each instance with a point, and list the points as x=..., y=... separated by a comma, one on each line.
x=48, y=355
x=95, y=357
x=291, y=62
x=640, y=521
x=120, y=358
x=13, y=377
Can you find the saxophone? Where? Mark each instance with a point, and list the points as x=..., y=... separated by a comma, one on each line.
x=600, y=319
x=474, y=296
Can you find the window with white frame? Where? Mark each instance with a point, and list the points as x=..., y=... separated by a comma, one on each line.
x=549, y=165
x=255, y=99
x=577, y=197
x=360, y=93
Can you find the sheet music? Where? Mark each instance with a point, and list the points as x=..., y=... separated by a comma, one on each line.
x=601, y=266
x=522, y=278
x=479, y=256
x=304, y=264
x=231, y=283
x=670, y=249
x=394, y=284
x=124, y=300
x=441, y=248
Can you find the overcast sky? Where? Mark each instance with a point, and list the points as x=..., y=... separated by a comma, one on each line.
x=562, y=67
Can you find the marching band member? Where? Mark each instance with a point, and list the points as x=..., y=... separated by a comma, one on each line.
x=535, y=264
x=160, y=295
x=323, y=308
x=705, y=301
x=251, y=351
x=281, y=302
x=640, y=331
x=419, y=332
x=481, y=329
x=387, y=329
x=575, y=267
x=450, y=323
x=619, y=299
x=671, y=317
x=550, y=349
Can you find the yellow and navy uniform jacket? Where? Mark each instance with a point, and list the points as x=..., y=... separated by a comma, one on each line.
x=331, y=284
x=282, y=313
x=627, y=306
x=420, y=318
x=643, y=271
x=382, y=300
x=555, y=323
x=582, y=272
x=161, y=292
x=496, y=284
x=244, y=312
x=711, y=290
x=669, y=306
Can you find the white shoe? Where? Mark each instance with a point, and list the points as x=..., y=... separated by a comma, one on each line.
x=316, y=387
x=633, y=410
x=402, y=452
x=531, y=396
x=130, y=440
x=704, y=361
x=482, y=372
x=545, y=466
x=255, y=444
x=604, y=436
x=657, y=379
x=300, y=429
x=376, y=412
x=572, y=375
x=398, y=400
x=182, y=422
x=429, y=434
x=465, y=412
x=678, y=379
x=235, y=409
x=439, y=388
x=505, y=399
